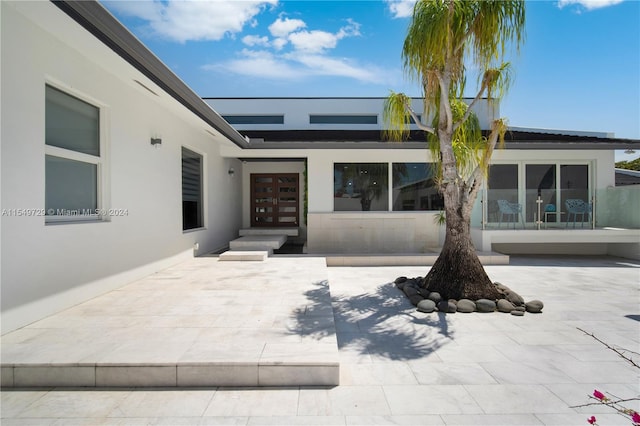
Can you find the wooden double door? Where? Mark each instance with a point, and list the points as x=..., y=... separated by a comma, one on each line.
x=275, y=200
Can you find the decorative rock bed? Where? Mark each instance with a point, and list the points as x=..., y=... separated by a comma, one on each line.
x=429, y=301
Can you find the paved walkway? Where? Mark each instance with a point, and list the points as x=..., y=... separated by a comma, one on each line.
x=200, y=323
x=398, y=366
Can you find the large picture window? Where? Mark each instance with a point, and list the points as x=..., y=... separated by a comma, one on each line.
x=191, y=190
x=414, y=187
x=73, y=157
x=361, y=187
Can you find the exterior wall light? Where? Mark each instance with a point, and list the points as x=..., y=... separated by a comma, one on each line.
x=231, y=171
x=156, y=142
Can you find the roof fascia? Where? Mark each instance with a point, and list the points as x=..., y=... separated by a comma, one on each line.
x=372, y=139
x=101, y=24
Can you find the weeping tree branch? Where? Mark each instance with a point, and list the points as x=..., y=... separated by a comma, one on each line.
x=444, y=99
x=419, y=123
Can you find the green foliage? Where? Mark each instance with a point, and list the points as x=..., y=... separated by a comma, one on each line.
x=396, y=116
x=443, y=34
x=443, y=38
x=629, y=165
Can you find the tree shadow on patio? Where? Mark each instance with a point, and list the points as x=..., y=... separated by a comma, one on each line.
x=380, y=324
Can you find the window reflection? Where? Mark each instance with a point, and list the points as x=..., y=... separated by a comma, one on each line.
x=360, y=187
x=414, y=187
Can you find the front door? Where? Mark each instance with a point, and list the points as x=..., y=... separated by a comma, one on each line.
x=274, y=199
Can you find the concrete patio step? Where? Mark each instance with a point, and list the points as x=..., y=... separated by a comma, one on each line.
x=258, y=242
x=289, y=232
x=405, y=259
x=321, y=371
x=244, y=255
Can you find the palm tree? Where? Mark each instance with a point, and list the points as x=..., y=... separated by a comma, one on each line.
x=443, y=37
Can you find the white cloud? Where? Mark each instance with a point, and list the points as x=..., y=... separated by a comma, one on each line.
x=589, y=4
x=281, y=28
x=313, y=41
x=401, y=8
x=296, y=65
x=317, y=41
x=307, y=55
x=279, y=43
x=193, y=20
x=258, y=64
x=323, y=65
x=253, y=40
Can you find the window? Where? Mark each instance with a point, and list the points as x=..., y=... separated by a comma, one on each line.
x=191, y=190
x=254, y=119
x=343, y=119
x=414, y=187
x=361, y=187
x=73, y=157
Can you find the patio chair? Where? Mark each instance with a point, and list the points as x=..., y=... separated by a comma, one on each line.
x=510, y=209
x=577, y=207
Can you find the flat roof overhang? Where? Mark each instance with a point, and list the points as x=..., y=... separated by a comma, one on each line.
x=372, y=139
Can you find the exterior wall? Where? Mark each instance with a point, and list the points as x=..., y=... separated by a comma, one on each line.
x=411, y=232
x=297, y=111
x=363, y=232
x=46, y=268
x=372, y=232
x=334, y=232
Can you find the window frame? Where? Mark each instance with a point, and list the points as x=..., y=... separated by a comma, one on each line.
x=344, y=119
x=389, y=190
x=100, y=161
x=387, y=177
x=522, y=184
x=203, y=189
x=252, y=119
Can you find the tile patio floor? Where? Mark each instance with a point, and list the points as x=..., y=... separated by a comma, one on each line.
x=397, y=366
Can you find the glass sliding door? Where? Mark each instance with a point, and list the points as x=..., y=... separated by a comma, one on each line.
x=574, y=184
x=502, y=185
x=540, y=181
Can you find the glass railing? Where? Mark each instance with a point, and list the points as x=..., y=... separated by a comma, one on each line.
x=568, y=208
x=618, y=207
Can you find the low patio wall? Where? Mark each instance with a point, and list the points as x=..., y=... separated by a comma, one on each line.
x=372, y=232
x=600, y=241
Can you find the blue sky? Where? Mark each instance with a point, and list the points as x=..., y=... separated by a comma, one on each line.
x=579, y=68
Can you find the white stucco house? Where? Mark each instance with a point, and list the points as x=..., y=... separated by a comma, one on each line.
x=337, y=144
x=112, y=168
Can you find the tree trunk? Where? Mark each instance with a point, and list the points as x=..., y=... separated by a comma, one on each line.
x=457, y=273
